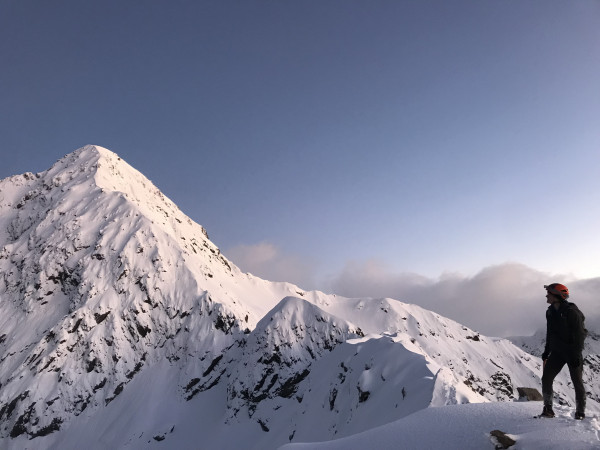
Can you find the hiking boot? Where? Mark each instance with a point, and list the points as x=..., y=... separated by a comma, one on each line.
x=579, y=416
x=547, y=412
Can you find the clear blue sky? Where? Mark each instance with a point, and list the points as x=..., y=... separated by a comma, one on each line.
x=429, y=136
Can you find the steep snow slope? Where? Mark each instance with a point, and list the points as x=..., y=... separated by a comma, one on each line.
x=122, y=325
x=101, y=275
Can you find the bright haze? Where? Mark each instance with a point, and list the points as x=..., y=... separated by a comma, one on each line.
x=442, y=153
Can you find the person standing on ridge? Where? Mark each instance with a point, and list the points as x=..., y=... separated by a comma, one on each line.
x=565, y=334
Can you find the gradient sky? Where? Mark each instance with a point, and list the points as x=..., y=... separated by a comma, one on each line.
x=314, y=137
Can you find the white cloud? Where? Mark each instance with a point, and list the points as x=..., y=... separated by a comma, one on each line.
x=503, y=300
x=265, y=260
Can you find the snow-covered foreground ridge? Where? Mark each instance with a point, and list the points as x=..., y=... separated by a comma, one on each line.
x=469, y=427
x=122, y=325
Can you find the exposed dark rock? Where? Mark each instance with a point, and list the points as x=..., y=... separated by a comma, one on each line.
x=143, y=330
x=497, y=365
x=135, y=370
x=45, y=431
x=274, y=358
x=193, y=382
x=529, y=394
x=502, y=382
x=68, y=278
x=273, y=381
x=50, y=402
x=473, y=383
x=33, y=358
x=92, y=364
x=224, y=323
x=204, y=387
x=99, y=385
x=290, y=386
x=117, y=391
x=10, y=407
x=263, y=426
x=19, y=427
x=503, y=440
x=363, y=396
x=332, y=397
x=100, y=317
x=76, y=326
x=80, y=404
x=212, y=365
x=261, y=383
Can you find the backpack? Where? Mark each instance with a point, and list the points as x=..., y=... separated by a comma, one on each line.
x=573, y=307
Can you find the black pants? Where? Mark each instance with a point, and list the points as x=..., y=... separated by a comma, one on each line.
x=554, y=365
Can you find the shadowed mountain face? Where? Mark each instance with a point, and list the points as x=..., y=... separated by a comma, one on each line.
x=115, y=304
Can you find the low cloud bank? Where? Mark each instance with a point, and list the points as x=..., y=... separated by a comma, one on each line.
x=267, y=261
x=501, y=300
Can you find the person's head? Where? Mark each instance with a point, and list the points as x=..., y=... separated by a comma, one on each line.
x=556, y=292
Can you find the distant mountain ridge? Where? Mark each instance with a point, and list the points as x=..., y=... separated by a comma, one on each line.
x=113, y=303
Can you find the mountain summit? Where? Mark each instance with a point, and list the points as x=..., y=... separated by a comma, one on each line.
x=102, y=275
x=122, y=324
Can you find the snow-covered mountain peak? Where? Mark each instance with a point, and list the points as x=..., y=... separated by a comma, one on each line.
x=79, y=167
x=294, y=311
x=110, y=277
x=98, y=167
x=85, y=157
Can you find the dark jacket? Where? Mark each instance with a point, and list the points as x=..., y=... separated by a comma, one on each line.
x=565, y=332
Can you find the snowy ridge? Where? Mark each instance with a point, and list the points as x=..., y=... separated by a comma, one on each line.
x=468, y=427
x=107, y=289
x=288, y=340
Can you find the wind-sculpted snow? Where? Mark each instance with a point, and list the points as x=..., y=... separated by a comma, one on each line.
x=469, y=427
x=122, y=323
